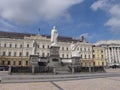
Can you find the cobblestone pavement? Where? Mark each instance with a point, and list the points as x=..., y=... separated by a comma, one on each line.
x=105, y=83
x=108, y=83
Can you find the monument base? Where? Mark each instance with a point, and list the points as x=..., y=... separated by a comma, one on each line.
x=54, y=59
x=34, y=62
x=34, y=59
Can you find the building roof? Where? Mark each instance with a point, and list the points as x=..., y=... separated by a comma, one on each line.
x=108, y=42
x=16, y=35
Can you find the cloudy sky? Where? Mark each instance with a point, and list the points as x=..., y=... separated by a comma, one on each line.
x=95, y=19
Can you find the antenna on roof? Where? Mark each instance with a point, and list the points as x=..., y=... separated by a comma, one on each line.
x=39, y=31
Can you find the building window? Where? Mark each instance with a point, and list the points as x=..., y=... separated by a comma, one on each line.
x=9, y=54
x=47, y=54
x=93, y=56
x=27, y=54
x=21, y=46
x=62, y=55
x=15, y=45
x=37, y=53
x=67, y=56
x=81, y=56
x=62, y=48
x=85, y=49
x=27, y=45
x=26, y=62
x=38, y=46
x=93, y=51
x=48, y=47
x=67, y=48
x=101, y=51
x=3, y=62
x=5, y=45
x=10, y=45
x=89, y=56
x=8, y=62
x=4, y=53
x=80, y=49
x=88, y=49
x=43, y=46
x=14, y=62
x=85, y=56
x=101, y=56
x=43, y=54
x=14, y=54
x=19, y=62
x=20, y=54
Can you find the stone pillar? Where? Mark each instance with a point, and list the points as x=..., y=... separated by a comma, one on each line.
x=73, y=70
x=119, y=55
x=106, y=55
x=112, y=54
x=115, y=55
x=33, y=69
x=109, y=55
x=114, y=51
x=54, y=70
x=9, y=70
x=89, y=69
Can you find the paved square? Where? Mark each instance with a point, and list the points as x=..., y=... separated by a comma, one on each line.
x=109, y=83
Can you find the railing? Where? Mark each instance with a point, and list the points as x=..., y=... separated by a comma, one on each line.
x=25, y=69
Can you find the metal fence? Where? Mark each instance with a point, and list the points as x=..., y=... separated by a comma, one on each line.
x=43, y=69
x=24, y=69
x=21, y=69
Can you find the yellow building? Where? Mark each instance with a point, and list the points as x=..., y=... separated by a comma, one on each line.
x=99, y=56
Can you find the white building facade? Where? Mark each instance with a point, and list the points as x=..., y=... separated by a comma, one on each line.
x=15, y=51
x=112, y=51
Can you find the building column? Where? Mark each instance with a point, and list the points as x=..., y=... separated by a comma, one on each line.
x=109, y=56
x=73, y=69
x=9, y=70
x=112, y=54
x=118, y=54
x=115, y=59
x=33, y=69
x=54, y=70
x=106, y=55
x=90, y=69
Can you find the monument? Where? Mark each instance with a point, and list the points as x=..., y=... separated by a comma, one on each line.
x=75, y=57
x=34, y=58
x=54, y=59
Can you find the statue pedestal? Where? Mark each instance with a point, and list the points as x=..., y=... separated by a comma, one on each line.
x=34, y=59
x=34, y=62
x=54, y=58
x=75, y=63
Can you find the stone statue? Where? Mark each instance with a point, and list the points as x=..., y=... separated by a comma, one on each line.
x=35, y=46
x=74, y=51
x=54, y=36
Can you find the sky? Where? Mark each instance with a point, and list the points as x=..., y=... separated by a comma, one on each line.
x=95, y=19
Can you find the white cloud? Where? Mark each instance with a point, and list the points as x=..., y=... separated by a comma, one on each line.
x=30, y=11
x=89, y=37
x=112, y=7
x=114, y=21
x=99, y=4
